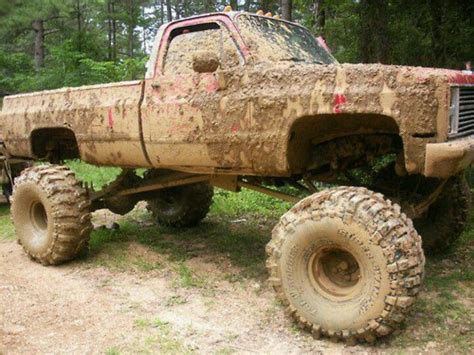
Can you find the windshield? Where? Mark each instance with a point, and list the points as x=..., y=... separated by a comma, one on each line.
x=275, y=41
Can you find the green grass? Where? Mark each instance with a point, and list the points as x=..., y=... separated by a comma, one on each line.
x=112, y=351
x=246, y=203
x=161, y=338
x=217, y=237
x=92, y=174
x=176, y=300
x=188, y=278
x=6, y=227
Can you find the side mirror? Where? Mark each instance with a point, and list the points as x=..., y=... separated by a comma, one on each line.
x=205, y=62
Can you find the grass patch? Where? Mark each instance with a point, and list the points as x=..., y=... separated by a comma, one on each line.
x=176, y=301
x=217, y=237
x=247, y=202
x=7, y=231
x=188, y=278
x=98, y=176
x=112, y=351
x=162, y=338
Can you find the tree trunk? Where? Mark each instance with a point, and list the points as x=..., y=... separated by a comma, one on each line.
x=247, y=5
x=130, y=27
x=109, y=29
x=374, y=32
x=78, y=16
x=169, y=13
x=319, y=16
x=177, y=10
x=208, y=6
x=145, y=30
x=162, y=9
x=38, y=27
x=234, y=4
x=114, y=32
x=436, y=10
x=286, y=9
x=79, y=24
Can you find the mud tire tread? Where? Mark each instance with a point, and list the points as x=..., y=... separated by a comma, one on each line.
x=70, y=212
x=390, y=228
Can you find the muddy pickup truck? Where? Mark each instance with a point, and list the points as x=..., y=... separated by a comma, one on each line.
x=238, y=100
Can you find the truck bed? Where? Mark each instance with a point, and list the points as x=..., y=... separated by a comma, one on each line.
x=103, y=119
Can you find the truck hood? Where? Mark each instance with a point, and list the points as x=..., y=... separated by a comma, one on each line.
x=461, y=77
x=417, y=98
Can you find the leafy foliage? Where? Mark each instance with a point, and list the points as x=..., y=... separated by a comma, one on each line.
x=46, y=44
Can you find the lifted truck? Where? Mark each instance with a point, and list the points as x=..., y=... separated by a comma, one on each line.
x=240, y=100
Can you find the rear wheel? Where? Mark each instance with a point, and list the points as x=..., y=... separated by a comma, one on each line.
x=446, y=218
x=51, y=214
x=181, y=206
x=346, y=263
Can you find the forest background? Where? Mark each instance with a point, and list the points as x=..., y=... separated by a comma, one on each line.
x=46, y=44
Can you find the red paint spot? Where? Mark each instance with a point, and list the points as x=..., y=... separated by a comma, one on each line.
x=339, y=99
x=235, y=128
x=462, y=78
x=212, y=86
x=111, y=118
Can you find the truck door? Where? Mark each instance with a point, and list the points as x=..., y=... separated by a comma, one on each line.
x=186, y=116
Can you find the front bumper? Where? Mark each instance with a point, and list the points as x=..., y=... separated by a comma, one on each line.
x=443, y=160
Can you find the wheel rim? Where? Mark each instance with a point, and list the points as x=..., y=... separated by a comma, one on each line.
x=39, y=219
x=335, y=273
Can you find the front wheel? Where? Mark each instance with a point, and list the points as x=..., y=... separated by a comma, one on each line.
x=346, y=263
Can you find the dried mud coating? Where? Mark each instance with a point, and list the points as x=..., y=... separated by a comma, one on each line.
x=274, y=41
x=205, y=62
x=214, y=43
x=50, y=212
x=446, y=218
x=381, y=241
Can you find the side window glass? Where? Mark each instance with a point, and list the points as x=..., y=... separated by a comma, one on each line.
x=179, y=56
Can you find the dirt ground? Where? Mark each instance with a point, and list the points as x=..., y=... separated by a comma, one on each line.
x=93, y=305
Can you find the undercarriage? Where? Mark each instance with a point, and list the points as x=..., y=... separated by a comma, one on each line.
x=350, y=226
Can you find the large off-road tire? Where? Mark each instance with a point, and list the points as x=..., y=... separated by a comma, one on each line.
x=51, y=214
x=446, y=218
x=182, y=206
x=346, y=263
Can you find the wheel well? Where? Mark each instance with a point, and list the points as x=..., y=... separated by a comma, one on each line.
x=54, y=144
x=312, y=131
